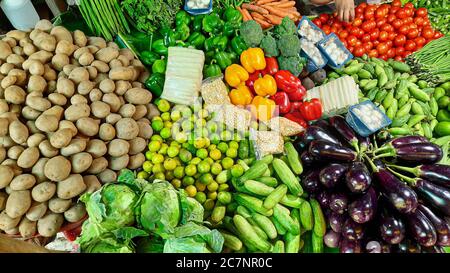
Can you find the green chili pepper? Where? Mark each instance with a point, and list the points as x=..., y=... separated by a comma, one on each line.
x=212, y=70
x=155, y=83
x=182, y=32
x=197, y=24
x=212, y=23
x=159, y=47
x=232, y=15
x=159, y=66
x=196, y=40
x=222, y=59
x=148, y=57
x=238, y=45
x=182, y=17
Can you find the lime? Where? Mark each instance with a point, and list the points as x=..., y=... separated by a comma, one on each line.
x=213, y=186
x=232, y=152
x=200, y=197
x=237, y=171
x=181, y=137
x=191, y=190
x=216, y=168
x=163, y=105
x=157, y=158
x=154, y=146
x=214, y=138
x=212, y=147
x=156, y=137
x=142, y=175
x=203, y=167
x=175, y=115
x=206, y=178
x=166, y=133
x=149, y=155
x=226, y=135
x=157, y=125
x=158, y=168
x=223, y=187
x=196, y=160
x=223, y=147
x=236, y=136
x=169, y=175
x=178, y=172
x=163, y=149
x=168, y=124
x=227, y=163
x=190, y=170
x=185, y=155
x=172, y=151
x=156, y=118
x=170, y=164
x=212, y=195
x=173, y=143
x=187, y=180
x=176, y=183
x=223, y=177
x=147, y=166
x=200, y=186
x=202, y=153
x=209, y=160
x=215, y=154
x=209, y=204
x=165, y=116
x=160, y=176
x=199, y=143
x=233, y=144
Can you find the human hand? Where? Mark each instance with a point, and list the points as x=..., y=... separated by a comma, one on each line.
x=345, y=10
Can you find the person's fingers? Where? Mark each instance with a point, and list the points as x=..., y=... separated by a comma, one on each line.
x=341, y=14
x=352, y=14
x=346, y=15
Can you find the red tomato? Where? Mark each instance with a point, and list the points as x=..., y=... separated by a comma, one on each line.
x=384, y=57
x=359, y=9
x=351, y=40
x=363, y=5
x=371, y=8
x=326, y=29
x=393, y=10
x=343, y=34
x=359, y=51
x=387, y=27
x=389, y=44
x=398, y=58
x=380, y=13
x=391, y=53
x=382, y=48
x=428, y=33
x=413, y=33
x=381, y=22
x=401, y=13
x=409, y=5
x=357, y=22
x=374, y=34
x=373, y=53
x=368, y=46
x=365, y=38
x=368, y=15
x=391, y=18
x=404, y=29
x=376, y=43
x=400, y=40
x=324, y=17
x=368, y=25
x=317, y=22
x=396, y=3
x=420, y=41
x=384, y=36
x=399, y=51
x=337, y=25
x=410, y=45
x=355, y=32
x=421, y=12
x=397, y=23
x=345, y=43
x=406, y=54
x=351, y=48
x=419, y=21
x=359, y=16
x=408, y=20
x=409, y=12
x=334, y=29
x=346, y=24
x=438, y=35
x=392, y=36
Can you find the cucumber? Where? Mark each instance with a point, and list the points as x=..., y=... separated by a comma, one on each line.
x=267, y=159
x=281, y=230
x=370, y=85
x=287, y=177
x=369, y=68
x=307, y=247
x=292, y=243
x=258, y=188
x=228, y=224
x=292, y=201
x=231, y=241
x=258, y=230
x=244, y=212
x=320, y=227
x=293, y=158
x=269, y=181
x=255, y=171
x=317, y=243
x=389, y=72
x=282, y=215
x=243, y=164
x=218, y=213
x=265, y=224
x=400, y=67
x=252, y=203
x=364, y=74
x=243, y=150
x=278, y=247
x=248, y=233
x=353, y=69
x=275, y=197
x=306, y=216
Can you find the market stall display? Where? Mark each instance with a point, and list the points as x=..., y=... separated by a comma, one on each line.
x=230, y=126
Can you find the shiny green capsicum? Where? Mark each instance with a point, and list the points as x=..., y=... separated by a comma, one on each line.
x=182, y=17
x=159, y=47
x=233, y=57
x=159, y=66
x=232, y=15
x=197, y=24
x=238, y=45
x=182, y=32
x=148, y=57
x=212, y=23
x=222, y=59
x=209, y=44
x=169, y=37
x=212, y=70
x=220, y=42
x=196, y=40
x=230, y=28
x=155, y=83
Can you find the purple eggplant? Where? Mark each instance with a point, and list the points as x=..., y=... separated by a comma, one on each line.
x=307, y=159
x=349, y=246
x=310, y=181
x=408, y=246
x=358, y=178
x=421, y=228
x=373, y=247
x=330, y=151
x=364, y=143
x=332, y=174
x=363, y=209
x=338, y=203
x=435, y=195
x=436, y=173
x=317, y=133
x=336, y=221
x=418, y=153
x=400, y=141
x=341, y=126
x=442, y=227
x=322, y=123
x=352, y=230
x=324, y=199
x=331, y=239
x=392, y=229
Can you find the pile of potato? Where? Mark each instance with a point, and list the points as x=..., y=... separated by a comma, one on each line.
x=73, y=113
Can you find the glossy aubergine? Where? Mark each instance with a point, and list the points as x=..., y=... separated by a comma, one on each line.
x=324, y=199
x=331, y=239
x=363, y=209
x=336, y=221
x=342, y=127
x=332, y=174
x=436, y=173
x=338, y=203
x=307, y=159
x=349, y=246
x=392, y=229
x=317, y=133
x=442, y=227
x=421, y=228
x=418, y=153
x=435, y=195
x=358, y=178
x=352, y=230
x=330, y=151
x=400, y=141
x=310, y=181
x=408, y=246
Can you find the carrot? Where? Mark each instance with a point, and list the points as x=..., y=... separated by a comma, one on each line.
x=278, y=12
x=263, y=23
x=244, y=18
x=258, y=15
x=274, y=19
x=288, y=4
x=262, y=2
x=255, y=8
x=246, y=14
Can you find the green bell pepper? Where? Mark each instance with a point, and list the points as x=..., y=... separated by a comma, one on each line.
x=159, y=66
x=209, y=44
x=220, y=42
x=155, y=83
x=182, y=17
x=230, y=28
x=212, y=70
x=148, y=57
x=169, y=37
x=209, y=56
x=212, y=23
x=159, y=47
x=196, y=40
x=182, y=32
x=232, y=15
x=197, y=24
x=222, y=59
x=238, y=45
x=233, y=57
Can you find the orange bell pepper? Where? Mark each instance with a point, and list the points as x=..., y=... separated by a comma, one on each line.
x=253, y=59
x=235, y=75
x=262, y=108
x=265, y=86
x=241, y=95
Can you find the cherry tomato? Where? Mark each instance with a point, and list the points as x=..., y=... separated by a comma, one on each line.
x=384, y=57
x=357, y=22
x=387, y=27
x=379, y=13
x=381, y=22
x=358, y=43
x=359, y=9
x=359, y=16
x=391, y=53
x=374, y=34
x=394, y=10
x=369, y=25
x=421, y=12
x=368, y=15
x=324, y=17
x=317, y=22
x=337, y=25
x=408, y=20
x=409, y=5
x=392, y=36
x=351, y=40
x=419, y=21
x=406, y=54
x=376, y=43
x=371, y=8
x=359, y=51
x=398, y=58
x=413, y=33
x=343, y=34
x=438, y=35
x=326, y=29
x=420, y=41
x=384, y=36
x=391, y=18
x=396, y=3
x=401, y=13
x=399, y=51
x=428, y=33
x=365, y=38
x=410, y=45
x=404, y=29
x=363, y=5
x=368, y=46
x=397, y=23
x=400, y=40
x=382, y=48
x=334, y=29
x=389, y=44
x=373, y=53
x=351, y=48
x=409, y=12
x=355, y=32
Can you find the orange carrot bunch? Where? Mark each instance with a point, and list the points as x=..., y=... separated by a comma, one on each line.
x=269, y=13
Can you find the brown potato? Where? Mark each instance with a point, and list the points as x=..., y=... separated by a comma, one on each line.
x=101, y=67
x=18, y=132
x=37, y=210
x=65, y=86
x=96, y=148
x=4, y=124
x=81, y=162
x=18, y=203
x=5, y=68
x=27, y=228
x=70, y=187
x=75, y=213
x=77, y=111
x=79, y=38
x=76, y=146
x=8, y=81
x=47, y=123
x=63, y=124
x=92, y=183
x=44, y=25
x=28, y=158
x=36, y=84
x=113, y=101
x=61, y=34
x=6, y=142
x=98, y=165
x=7, y=222
x=122, y=87
x=36, y=68
x=18, y=50
x=58, y=99
x=86, y=59
x=118, y=147
x=50, y=224
x=79, y=74
x=15, y=59
x=107, y=132
x=56, y=111
x=127, y=129
x=118, y=163
x=141, y=112
x=107, y=176
x=58, y=205
x=85, y=87
x=49, y=73
x=127, y=110
x=6, y=175
x=92, y=72
x=5, y=50
x=3, y=198
x=35, y=139
x=107, y=86
x=43, y=191
x=127, y=53
x=77, y=98
x=95, y=95
x=59, y=61
x=45, y=42
x=97, y=41
x=38, y=103
x=61, y=138
x=87, y=126
x=107, y=54
x=115, y=63
x=29, y=49
x=100, y=109
x=38, y=170
x=137, y=145
x=136, y=161
x=21, y=76
x=65, y=47
x=124, y=60
x=42, y=56
x=121, y=73
x=15, y=151
x=22, y=182
x=15, y=94
x=67, y=69
x=113, y=118
x=152, y=111
x=57, y=168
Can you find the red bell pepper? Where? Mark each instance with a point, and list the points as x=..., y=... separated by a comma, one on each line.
x=287, y=82
x=295, y=106
x=251, y=81
x=271, y=66
x=282, y=100
x=298, y=94
x=296, y=117
x=311, y=110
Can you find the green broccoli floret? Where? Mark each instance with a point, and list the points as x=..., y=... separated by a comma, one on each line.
x=289, y=45
x=251, y=33
x=287, y=27
x=269, y=45
x=294, y=64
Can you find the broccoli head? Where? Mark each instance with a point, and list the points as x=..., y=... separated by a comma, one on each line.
x=251, y=33
x=269, y=45
x=287, y=27
x=289, y=45
x=294, y=64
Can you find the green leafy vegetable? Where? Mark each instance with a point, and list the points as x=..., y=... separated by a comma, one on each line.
x=251, y=33
x=294, y=64
x=287, y=27
x=269, y=45
x=289, y=45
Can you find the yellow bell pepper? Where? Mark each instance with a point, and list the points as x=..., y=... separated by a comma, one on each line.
x=241, y=95
x=253, y=59
x=265, y=86
x=235, y=75
x=262, y=108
